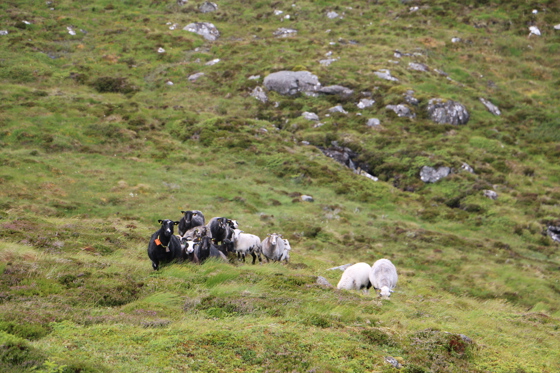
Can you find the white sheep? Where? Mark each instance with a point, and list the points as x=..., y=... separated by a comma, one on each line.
x=356, y=277
x=383, y=276
x=245, y=243
x=286, y=253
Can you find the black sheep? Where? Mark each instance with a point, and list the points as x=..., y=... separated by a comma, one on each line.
x=190, y=220
x=164, y=246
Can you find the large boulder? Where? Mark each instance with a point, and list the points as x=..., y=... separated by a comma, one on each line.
x=205, y=29
x=431, y=175
x=447, y=112
x=291, y=83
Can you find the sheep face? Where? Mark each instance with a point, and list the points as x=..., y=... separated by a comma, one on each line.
x=167, y=227
x=385, y=292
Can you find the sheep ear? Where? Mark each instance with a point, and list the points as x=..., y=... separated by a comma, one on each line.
x=160, y=221
x=175, y=222
x=391, y=291
x=182, y=212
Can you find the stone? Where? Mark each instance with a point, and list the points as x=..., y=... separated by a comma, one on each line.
x=373, y=122
x=212, y=62
x=338, y=109
x=205, y=29
x=340, y=268
x=306, y=198
x=332, y=15
x=3, y=32
x=418, y=67
x=467, y=168
x=490, y=194
x=447, y=112
x=402, y=111
x=553, y=232
x=490, y=106
x=291, y=83
x=431, y=175
x=328, y=61
x=194, y=77
x=208, y=7
x=365, y=103
x=385, y=74
x=259, y=94
x=336, y=90
x=323, y=282
x=284, y=32
x=310, y=116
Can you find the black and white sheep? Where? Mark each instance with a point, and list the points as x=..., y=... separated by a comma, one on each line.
x=273, y=248
x=356, y=277
x=383, y=277
x=164, y=246
x=245, y=243
x=286, y=253
x=190, y=220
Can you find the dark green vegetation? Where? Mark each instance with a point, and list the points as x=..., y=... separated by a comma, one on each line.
x=95, y=147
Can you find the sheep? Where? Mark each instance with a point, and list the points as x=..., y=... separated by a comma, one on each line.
x=195, y=233
x=219, y=229
x=286, y=253
x=383, y=277
x=356, y=277
x=190, y=220
x=245, y=243
x=273, y=248
x=207, y=249
x=164, y=246
x=188, y=246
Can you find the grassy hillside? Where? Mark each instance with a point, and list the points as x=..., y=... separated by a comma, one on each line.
x=96, y=145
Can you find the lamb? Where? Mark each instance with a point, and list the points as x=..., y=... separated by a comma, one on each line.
x=245, y=243
x=219, y=229
x=286, y=253
x=356, y=277
x=383, y=277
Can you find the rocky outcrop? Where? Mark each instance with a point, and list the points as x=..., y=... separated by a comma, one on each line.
x=431, y=175
x=290, y=83
x=447, y=112
x=205, y=29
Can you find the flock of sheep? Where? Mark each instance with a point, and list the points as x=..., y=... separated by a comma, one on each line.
x=198, y=241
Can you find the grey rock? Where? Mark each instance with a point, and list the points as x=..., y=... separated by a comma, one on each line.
x=284, y=32
x=327, y=61
x=306, y=198
x=373, y=122
x=447, y=112
x=391, y=360
x=490, y=194
x=323, y=282
x=182, y=2
x=212, y=62
x=409, y=98
x=205, y=29
x=467, y=168
x=336, y=90
x=455, y=40
x=259, y=94
x=431, y=175
x=553, y=232
x=254, y=77
x=557, y=27
x=195, y=77
x=292, y=82
x=338, y=109
x=402, y=111
x=332, y=15
x=208, y=7
x=490, y=106
x=3, y=32
x=385, y=74
x=418, y=67
x=310, y=116
x=365, y=103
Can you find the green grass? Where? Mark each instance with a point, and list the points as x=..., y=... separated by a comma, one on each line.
x=95, y=147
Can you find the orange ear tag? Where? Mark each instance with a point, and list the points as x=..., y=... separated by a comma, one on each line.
x=157, y=241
